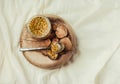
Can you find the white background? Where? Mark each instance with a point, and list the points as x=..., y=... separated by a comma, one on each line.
x=96, y=24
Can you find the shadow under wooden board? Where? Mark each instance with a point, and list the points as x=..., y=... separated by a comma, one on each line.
x=39, y=58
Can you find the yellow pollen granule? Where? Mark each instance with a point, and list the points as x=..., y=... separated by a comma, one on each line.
x=52, y=55
x=38, y=26
x=55, y=47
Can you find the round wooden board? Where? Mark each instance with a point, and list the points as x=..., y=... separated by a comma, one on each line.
x=36, y=57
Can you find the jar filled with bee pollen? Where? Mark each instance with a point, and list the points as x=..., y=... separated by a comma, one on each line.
x=39, y=27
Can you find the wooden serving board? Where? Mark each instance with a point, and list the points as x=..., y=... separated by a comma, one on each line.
x=36, y=57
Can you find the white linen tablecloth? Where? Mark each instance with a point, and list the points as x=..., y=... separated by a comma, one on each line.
x=97, y=26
